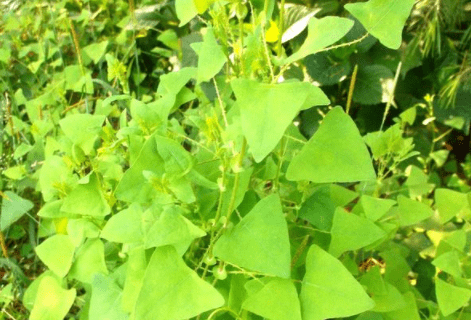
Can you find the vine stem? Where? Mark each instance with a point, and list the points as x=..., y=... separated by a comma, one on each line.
x=391, y=96
x=280, y=26
x=352, y=88
x=230, y=209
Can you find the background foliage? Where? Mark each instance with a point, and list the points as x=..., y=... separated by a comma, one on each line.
x=200, y=159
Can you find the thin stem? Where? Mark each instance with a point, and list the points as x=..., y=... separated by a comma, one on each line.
x=280, y=26
x=220, y=103
x=230, y=208
x=352, y=88
x=391, y=95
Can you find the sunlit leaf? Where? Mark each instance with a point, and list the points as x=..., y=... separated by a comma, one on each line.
x=321, y=34
x=449, y=297
x=329, y=290
x=181, y=293
x=57, y=253
x=276, y=300
x=52, y=301
x=266, y=110
x=260, y=241
x=336, y=153
x=384, y=19
x=351, y=232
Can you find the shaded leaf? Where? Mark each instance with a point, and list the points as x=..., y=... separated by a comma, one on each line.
x=13, y=208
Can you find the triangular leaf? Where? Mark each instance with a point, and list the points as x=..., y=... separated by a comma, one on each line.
x=90, y=260
x=134, y=187
x=52, y=301
x=321, y=34
x=13, y=208
x=211, y=58
x=181, y=294
x=105, y=303
x=277, y=300
x=135, y=270
x=125, y=226
x=411, y=211
x=384, y=19
x=351, y=232
x=375, y=208
x=57, y=253
x=329, y=290
x=172, y=228
x=449, y=262
x=82, y=129
x=266, y=110
x=449, y=297
x=260, y=241
x=451, y=203
x=409, y=312
x=87, y=199
x=336, y=153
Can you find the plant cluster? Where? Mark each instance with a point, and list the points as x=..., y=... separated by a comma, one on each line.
x=204, y=159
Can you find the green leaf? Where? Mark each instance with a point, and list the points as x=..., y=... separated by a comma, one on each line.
x=326, y=69
x=373, y=85
x=125, y=226
x=321, y=34
x=82, y=129
x=351, y=232
x=409, y=312
x=260, y=241
x=449, y=262
x=173, y=83
x=31, y=292
x=181, y=293
x=177, y=161
x=336, y=153
x=375, y=208
x=57, y=253
x=390, y=301
x=449, y=297
x=276, y=300
x=13, y=208
x=417, y=182
x=172, y=228
x=134, y=187
x=211, y=58
x=329, y=290
x=135, y=270
x=105, y=303
x=52, y=301
x=411, y=211
x=319, y=209
x=90, y=259
x=450, y=204
x=96, y=50
x=266, y=110
x=384, y=19
x=87, y=199
x=79, y=229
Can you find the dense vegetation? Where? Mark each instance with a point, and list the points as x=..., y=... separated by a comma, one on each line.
x=204, y=159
